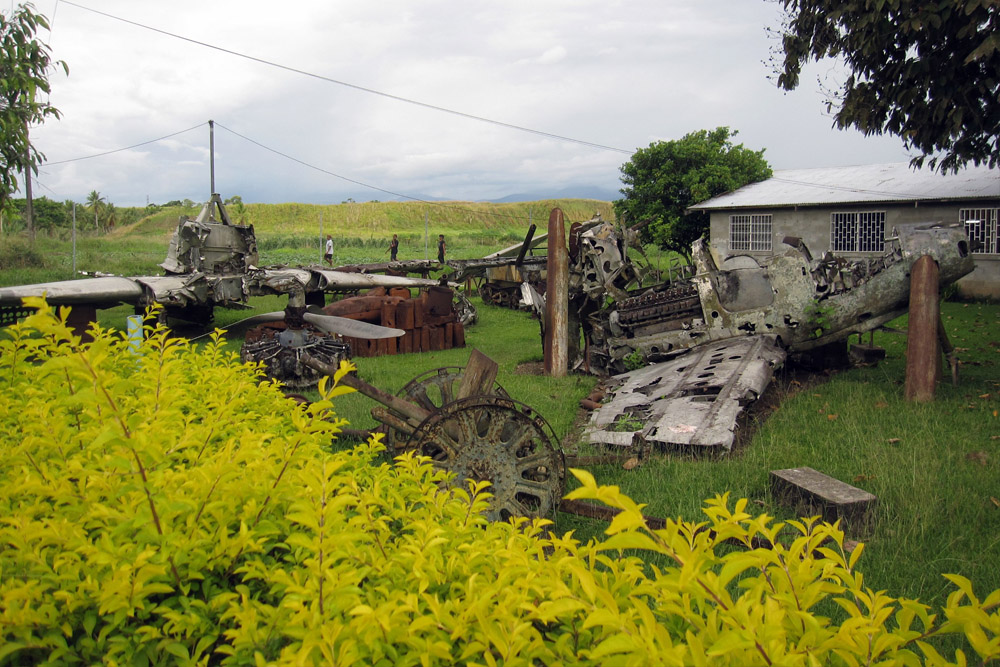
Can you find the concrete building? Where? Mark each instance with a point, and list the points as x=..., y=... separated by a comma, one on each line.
x=851, y=210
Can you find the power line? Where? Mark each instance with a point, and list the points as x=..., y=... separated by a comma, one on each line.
x=371, y=91
x=126, y=148
x=287, y=157
x=356, y=182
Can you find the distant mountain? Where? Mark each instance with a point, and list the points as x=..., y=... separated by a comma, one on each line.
x=575, y=192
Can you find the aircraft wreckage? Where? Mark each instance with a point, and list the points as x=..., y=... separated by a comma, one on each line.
x=708, y=344
x=212, y=262
x=706, y=341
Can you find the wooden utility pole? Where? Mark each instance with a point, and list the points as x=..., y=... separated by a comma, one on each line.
x=557, y=298
x=923, y=351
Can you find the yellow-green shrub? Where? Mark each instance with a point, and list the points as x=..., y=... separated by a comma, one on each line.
x=164, y=504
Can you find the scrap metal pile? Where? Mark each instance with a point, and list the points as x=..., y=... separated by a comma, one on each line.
x=705, y=346
x=427, y=322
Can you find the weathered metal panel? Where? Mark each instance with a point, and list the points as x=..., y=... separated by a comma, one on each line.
x=110, y=289
x=693, y=400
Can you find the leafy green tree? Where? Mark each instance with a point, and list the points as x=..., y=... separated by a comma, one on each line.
x=928, y=72
x=110, y=216
x=49, y=214
x=663, y=180
x=24, y=68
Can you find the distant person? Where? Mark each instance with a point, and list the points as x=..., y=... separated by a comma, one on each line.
x=393, y=248
x=441, y=246
x=328, y=254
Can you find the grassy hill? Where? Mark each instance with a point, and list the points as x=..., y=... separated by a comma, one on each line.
x=291, y=234
x=380, y=220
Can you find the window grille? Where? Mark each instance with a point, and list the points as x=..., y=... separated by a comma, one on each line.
x=750, y=232
x=862, y=231
x=981, y=227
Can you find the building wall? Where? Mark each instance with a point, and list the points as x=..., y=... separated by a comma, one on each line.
x=813, y=224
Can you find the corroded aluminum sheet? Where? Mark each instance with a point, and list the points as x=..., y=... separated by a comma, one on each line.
x=692, y=400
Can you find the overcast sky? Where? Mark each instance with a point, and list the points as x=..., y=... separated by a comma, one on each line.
x=616, y=74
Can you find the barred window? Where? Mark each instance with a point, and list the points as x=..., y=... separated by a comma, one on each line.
x=862, y=231
x=750, y=232
x=981, y=227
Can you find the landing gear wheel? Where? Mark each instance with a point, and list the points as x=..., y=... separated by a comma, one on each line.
x=438, y=386
x=500, y=440
x=431, y=390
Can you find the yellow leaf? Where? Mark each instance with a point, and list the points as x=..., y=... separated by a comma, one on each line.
x=630, y=540
x=617, y=643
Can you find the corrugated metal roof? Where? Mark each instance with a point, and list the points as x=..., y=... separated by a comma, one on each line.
x=894, y=182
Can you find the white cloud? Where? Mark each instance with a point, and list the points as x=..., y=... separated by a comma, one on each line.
x=615, y=73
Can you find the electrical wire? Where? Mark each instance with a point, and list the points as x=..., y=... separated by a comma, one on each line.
x=126, y=148
x=361, y=183
x=364, y=89
x=292, y=158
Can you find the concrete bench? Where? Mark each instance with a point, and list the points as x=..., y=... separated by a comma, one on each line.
x=811, y=492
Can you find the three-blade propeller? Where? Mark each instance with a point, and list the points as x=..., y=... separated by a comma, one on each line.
x=331, y=324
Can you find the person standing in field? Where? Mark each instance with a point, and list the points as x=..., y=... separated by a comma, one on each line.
x=328, y=253
x=393, y=248
x=441, y=247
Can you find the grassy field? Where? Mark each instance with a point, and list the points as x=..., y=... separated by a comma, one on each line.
x=292, y=234
x=934, y=467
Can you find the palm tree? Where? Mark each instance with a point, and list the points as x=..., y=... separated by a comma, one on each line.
x=94, y=201
x=110, y=216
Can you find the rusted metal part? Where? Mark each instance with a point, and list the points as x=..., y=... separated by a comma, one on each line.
x=398, y=429
x=692, y=401
x=210, y=244
x=525, y=246
x=923, y=353
x=481, y=437
x=807, y=303
x=557, y=299
x=500, y=440
x=283, y=349
x=605, y=513
x=401, y=406
x=430, y=390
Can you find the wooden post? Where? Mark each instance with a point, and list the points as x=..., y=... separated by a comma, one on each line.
x=557, y=298
x=923, y=350
x=479, y=376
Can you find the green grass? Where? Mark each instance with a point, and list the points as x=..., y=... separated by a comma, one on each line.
x=934, y=467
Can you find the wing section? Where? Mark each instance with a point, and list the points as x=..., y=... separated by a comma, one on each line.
x=106, y=290
x=689, y=401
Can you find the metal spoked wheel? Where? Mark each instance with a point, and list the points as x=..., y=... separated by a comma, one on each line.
x=434, y=388
x=431, y=390
x=500, y=440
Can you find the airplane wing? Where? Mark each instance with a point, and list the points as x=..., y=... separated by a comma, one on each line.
x=110, y=290
x=689, y=401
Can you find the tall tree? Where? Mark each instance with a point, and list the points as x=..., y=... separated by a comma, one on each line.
x=110, y=216
x=95, y=201
x=24, y=68
x=928, y=72
x=661, y=181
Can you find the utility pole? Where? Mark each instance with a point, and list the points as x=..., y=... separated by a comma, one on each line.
x=211, y=155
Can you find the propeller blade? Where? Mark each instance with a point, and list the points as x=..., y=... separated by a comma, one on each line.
x=352, y=328
x=276, y=316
